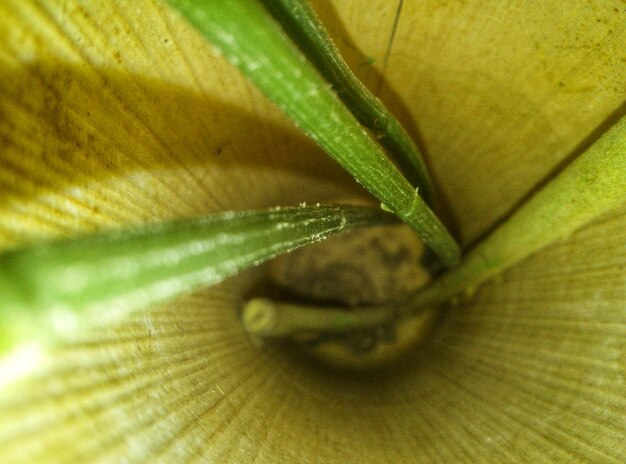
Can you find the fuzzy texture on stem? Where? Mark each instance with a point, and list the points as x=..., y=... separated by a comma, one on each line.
x=251, y=40
x=303, y=25
x=110, y=274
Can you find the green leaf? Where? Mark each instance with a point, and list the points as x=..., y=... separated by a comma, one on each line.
x=300, y=21
x=116, y=272
x=251, y=40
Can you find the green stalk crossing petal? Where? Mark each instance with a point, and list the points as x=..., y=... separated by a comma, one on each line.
x=112, y=273
x=590, y=186
x=300, y=21
x=252, y=41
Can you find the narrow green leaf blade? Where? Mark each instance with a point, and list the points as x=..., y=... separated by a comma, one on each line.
x=45, y=286
x=304, y=26
x=251, y=40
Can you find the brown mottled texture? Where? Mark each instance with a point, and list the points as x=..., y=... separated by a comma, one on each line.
x=363, y=267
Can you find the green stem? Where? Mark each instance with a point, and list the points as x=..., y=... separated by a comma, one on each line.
x=43, y=287
x=250, y=38
x=300, y=21
x=268, y=319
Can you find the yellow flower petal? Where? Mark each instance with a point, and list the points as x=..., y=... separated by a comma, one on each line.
x=115, y=113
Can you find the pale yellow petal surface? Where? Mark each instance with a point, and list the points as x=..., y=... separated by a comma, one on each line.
x=117, y=113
